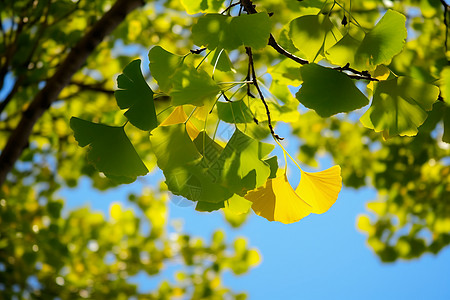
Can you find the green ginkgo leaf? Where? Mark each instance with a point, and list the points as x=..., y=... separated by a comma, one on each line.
x=328, y=91
x=197, y=6
x=110, y=150
x=184, y=167
x=383, y=42
x=343, y=52
x=212, y=31
x=400, y=106
x=252, y=30
x=234, y=112
x=163, y=65
x=220, y=31
x=313, y=34
x=192, y=86
x=240, y=166
x=135, y=94
x=444, y=83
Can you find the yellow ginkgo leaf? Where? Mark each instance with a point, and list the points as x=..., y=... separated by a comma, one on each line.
x=320, y=189
x=276, y=200
x=178, y=116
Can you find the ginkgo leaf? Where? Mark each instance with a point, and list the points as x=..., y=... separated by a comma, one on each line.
x=178, y=116
x=383, y=42
x=110, y=150
x=173, y=147
x=220, y=31
x=276, y=200
x=163, y=64
x=329, y=91
x=221, y=61
x=273, y=164
x=343, y=52
x=313, y=34
x=252, y=30
x=208, y=148
x=238, y=205
x=444, y=84
x=320, y=189
x=135, y=94
x=213, y=30
x=234, y=112
x=192, y=86
x=400, y=106
x=239, y=166
x=197, y=6
x=184, y=167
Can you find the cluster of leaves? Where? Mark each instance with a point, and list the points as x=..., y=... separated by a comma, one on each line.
x=48, y=253
x=200, y=169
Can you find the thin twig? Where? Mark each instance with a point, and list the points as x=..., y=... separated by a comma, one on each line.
x=198, y=51
x=248, y=50
x=230, y=7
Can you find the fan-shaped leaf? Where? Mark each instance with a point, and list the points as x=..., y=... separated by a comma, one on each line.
x=383, y=42
x=239, y=166
x=163, y=65
x=329, y=91
x=252, y=30
x=178, y=116
x=137, y=96
x=184, y=167
x=276, y=200
x=234, y=112
x=320, y=189
x=399, y=106
x=313, y=34
x=192, y=86
x=110, y=150
x=197, y=6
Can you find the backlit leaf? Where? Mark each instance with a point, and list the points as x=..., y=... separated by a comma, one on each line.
x=163, y=64
x=197, y=6
x=135, y=94
x=446, y=136
x=320, y=189
x=313, y=34
x=383, y=42
x=191, y=86
x=234, y=112
x=184, y=167
x=276, y=200
x=178, y=116
x=239, y=166
x=329, y=91
x=252, y=30
x=400, y=106
x=110, y=150
x=444, y=84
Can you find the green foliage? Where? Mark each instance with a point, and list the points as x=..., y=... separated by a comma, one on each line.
x=400, y=106
x=328, y=91
x=410, y=98
x=137, y=96
x=110, y=150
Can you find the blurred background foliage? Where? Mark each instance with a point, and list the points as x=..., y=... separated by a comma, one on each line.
x=45, y=253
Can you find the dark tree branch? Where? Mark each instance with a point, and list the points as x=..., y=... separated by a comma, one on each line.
x=248, y=50
x=92, y=87
x=446, y=9
x=77, y=57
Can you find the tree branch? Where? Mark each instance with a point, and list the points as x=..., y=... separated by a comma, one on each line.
x=248, y=50
x=364, y=75
x=77, y=57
